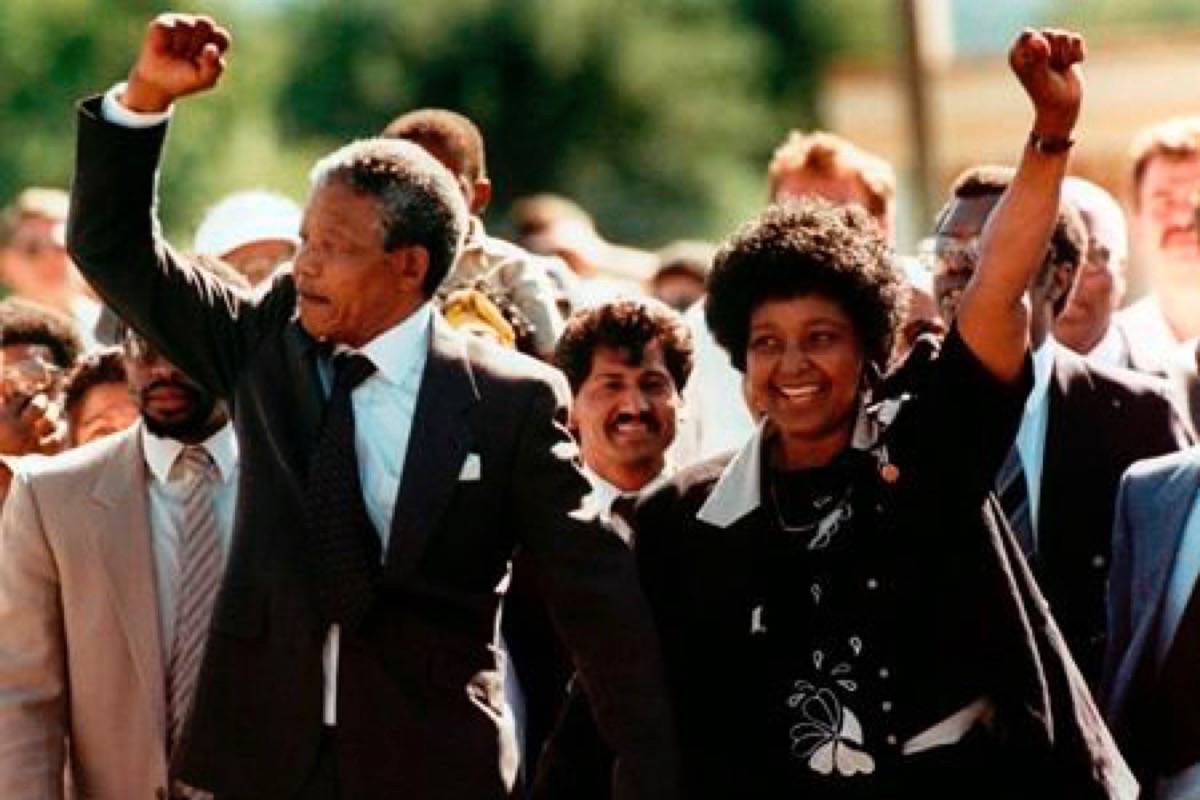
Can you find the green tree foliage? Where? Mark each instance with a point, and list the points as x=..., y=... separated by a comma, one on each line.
x=657, y=116
x=59, y=51
x=55, y=52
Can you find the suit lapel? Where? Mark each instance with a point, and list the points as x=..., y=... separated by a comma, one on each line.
x=1167, y=511
x=1062, y=417
x=437, y=446
x=119, y=531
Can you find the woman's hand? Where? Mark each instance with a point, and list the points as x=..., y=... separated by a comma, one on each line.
x=1047, y=65
x=993, y=315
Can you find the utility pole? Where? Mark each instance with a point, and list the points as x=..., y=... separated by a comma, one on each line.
x=927, y=48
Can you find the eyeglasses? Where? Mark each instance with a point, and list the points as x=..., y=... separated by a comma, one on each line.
x=29, y=377
x=942, y=254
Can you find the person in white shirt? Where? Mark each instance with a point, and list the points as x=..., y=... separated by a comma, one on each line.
x=1166, y=180
x=627, y=362
x=110, y=558
x=1085, y=324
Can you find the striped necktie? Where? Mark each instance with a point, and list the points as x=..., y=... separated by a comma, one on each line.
x=201, y=563
x=1013, y=492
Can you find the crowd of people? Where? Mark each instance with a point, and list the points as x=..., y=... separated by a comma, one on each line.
x=356, y=500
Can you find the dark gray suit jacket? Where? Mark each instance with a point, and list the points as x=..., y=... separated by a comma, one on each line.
x=420, y=688
x=1101, y=420
x=1155, y=499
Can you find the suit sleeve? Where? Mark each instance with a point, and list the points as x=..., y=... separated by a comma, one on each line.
x=596, y=603
x=1119, y=596
x=201, y=324
x=33, y=691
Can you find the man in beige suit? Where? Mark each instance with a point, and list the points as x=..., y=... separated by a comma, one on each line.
x=109, y=560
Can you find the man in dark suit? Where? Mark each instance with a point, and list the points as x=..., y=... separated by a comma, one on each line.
x=1149, y=693
x=390, y=467
x=1083, y=425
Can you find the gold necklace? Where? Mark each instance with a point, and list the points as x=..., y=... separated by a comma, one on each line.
x=825, y=526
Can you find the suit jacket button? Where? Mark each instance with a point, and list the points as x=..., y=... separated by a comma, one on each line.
x=1098, y=561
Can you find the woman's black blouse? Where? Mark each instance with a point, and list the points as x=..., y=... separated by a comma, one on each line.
x=849, y=611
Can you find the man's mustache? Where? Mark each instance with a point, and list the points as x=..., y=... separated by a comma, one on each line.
x=646, y=418
x=170, y=383
x=1171, y=231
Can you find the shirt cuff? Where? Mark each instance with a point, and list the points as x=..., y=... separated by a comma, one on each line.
x=113, y=111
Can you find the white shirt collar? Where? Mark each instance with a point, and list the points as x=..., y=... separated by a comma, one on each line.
x=393, y=350
x=605, y=493
x=737, y=492
x=1043, y=370
x=1110, y=349
x=161, y=452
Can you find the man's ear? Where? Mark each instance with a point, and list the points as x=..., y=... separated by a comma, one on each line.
x=481, y=195
x=410, y=265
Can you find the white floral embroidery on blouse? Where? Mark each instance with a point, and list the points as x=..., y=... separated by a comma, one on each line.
x=829, y=734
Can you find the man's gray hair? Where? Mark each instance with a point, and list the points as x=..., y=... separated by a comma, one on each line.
x=419, y=201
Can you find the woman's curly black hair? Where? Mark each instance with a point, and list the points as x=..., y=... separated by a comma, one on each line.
x=802, y=248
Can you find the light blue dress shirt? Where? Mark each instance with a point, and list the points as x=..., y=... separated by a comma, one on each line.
x=1031, y=437
x=383, y=412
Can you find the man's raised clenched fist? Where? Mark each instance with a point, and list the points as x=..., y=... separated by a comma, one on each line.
x=181, y=54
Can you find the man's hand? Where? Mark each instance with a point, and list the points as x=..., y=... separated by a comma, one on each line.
x=182, y=54
x=1046, y=63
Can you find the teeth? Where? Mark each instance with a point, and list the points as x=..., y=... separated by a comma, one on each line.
x=796, y=393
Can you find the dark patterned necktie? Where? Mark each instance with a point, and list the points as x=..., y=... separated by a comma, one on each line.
x=1013, y=493
x=344, y=545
